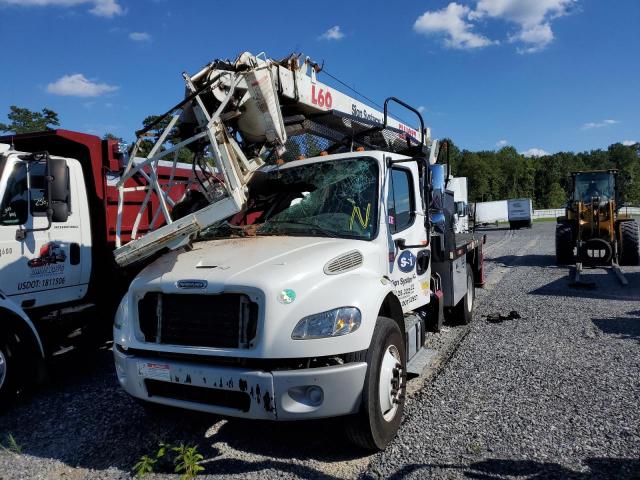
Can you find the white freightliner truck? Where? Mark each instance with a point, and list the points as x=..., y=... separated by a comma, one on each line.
x=306, y=290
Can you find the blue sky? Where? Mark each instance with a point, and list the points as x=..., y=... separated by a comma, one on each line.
x=536, y=74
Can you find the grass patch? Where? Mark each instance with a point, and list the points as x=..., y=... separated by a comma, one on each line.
x=12, y=444
x=183, y=458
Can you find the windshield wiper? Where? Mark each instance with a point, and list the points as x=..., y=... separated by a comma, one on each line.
x=315, y=226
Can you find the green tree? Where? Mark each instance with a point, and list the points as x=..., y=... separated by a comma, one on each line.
x=23, y=120
x=185, y=155
x=111, y=136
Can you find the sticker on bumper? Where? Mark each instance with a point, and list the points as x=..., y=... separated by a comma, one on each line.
x=156, y=371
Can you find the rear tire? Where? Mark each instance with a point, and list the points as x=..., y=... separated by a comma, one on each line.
x=629, y=243
x=564, y=244
x=462, y=313
x=383, y=392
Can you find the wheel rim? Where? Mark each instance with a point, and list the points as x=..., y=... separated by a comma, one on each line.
x=390, y=385
x=3, y=368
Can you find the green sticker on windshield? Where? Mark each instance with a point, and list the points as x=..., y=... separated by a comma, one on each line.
x=287, y=296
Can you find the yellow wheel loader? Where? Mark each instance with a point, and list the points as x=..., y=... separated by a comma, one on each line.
x=593, y=230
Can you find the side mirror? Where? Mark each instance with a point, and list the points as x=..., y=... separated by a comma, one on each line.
x=59, y=189
x=422, y=261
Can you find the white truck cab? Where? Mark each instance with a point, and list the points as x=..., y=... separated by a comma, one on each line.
x=58, y=210
x=303, y=313
x=44, y=259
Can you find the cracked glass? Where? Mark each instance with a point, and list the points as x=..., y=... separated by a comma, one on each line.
x=335, y=198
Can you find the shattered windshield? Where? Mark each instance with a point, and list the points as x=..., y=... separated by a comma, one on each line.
x=592, y=185
x=336, y=198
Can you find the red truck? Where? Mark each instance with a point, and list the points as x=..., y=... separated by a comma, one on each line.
x=58, y=214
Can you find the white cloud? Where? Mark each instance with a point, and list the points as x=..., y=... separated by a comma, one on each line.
x=536, y=38
x=452, y=22
x=604, y=123
x=140, y=36
x=101, y=8
x=532, y=18
x=628, y=143
x=421, y=108
x=502, y=143
x=334, y=33
x=535, y=152
x=77, y=85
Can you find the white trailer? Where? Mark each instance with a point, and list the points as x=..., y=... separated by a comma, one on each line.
x=520, y=213
x=491, y=212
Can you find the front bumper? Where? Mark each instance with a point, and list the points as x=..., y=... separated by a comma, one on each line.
x=238, y=392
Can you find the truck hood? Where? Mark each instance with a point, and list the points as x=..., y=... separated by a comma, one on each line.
x=251, y=261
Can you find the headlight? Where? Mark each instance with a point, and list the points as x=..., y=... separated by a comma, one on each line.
x=333, y=323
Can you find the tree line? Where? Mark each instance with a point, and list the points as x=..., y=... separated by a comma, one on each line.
x=505, y=173
x=492, y=174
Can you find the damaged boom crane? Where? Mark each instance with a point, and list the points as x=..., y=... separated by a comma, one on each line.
x=246, y=98
x=312, y=270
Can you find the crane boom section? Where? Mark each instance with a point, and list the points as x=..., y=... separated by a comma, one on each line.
x=235, y=116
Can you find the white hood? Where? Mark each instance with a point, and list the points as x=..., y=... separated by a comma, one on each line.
x=249, y=262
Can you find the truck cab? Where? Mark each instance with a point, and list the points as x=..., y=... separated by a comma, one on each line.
x=58, y=212
x=44, y=252
x=306, y=290
x=320, y=289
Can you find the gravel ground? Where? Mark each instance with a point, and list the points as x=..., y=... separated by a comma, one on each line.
x=554, y=394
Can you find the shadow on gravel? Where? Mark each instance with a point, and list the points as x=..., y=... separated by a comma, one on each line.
x=627, y=328
x=83, y=418
x=607, y=286
x=533, y=260
x=491, y=229
x=618, y=468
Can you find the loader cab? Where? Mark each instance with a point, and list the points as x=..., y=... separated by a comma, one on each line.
x=600, y=185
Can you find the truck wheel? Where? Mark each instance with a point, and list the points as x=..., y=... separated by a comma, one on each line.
x=383, y=392
x=564, y=244
x=629, y=243
x=463, y=312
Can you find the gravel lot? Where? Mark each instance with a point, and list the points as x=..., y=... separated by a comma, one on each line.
x=554, y=394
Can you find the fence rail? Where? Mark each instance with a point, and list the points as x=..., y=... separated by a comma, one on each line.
x=558, y=212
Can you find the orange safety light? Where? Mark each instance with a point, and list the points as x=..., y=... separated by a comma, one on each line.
x=324, y=153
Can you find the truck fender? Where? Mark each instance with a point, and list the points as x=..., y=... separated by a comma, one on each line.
x=10, y=311
x=392, y=308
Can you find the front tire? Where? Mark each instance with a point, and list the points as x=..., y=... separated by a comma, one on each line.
x=629, y=243
x=383, y=392
x=12, y=366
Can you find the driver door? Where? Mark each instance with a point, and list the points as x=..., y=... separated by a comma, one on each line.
x=411, y=270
